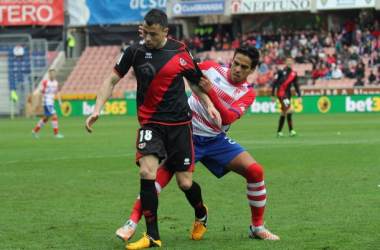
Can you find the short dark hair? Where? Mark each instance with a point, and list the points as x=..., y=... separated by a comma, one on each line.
x=249, y=51
x=156, y=16
x=50, y=70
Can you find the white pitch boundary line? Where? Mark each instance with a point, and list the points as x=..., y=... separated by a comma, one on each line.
x=298, y=144
x=64, y=158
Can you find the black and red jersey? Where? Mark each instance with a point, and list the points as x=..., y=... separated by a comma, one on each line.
x=284, y=79
x=161, y=96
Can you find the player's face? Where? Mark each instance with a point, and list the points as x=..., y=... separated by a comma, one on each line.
x=52, y=75
x=154, y=35
x=240, y=68
x=289, y=63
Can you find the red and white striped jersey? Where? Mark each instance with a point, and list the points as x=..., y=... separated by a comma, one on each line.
x=237, y=97
x=49, y=89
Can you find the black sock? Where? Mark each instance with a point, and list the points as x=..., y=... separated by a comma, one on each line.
x=281, y=123
x=290, y=123
x=194, y=196
x=149, y=205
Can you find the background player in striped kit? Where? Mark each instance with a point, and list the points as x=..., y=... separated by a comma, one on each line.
x=49, y=90
x=285, y=78
x=232, y=96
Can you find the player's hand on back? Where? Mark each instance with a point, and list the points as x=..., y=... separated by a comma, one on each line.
x=215, y=115
x=141, y=31
x=205, y=84
x=300, y=100
x=91, y=120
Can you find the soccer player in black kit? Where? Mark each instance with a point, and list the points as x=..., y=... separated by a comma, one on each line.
x=284, y=79
x=160, y=63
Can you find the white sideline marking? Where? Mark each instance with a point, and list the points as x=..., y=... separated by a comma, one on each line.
x=64, y=158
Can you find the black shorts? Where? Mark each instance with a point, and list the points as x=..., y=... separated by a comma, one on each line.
x=285, y=102
x=172, y=142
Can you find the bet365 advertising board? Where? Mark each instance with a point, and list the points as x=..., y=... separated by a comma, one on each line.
x=262, y=105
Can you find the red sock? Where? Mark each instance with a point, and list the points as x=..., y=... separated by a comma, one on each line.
x=40, y=124
x=163, y=177
x=54, y=123
x=256, y=193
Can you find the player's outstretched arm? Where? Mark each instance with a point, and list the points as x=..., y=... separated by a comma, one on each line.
x=103, y=95
x=212, y=111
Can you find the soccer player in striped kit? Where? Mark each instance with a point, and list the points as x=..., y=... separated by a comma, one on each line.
x=49, y=90
x=231, y=94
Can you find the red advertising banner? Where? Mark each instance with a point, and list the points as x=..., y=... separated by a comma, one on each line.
x=31, y=12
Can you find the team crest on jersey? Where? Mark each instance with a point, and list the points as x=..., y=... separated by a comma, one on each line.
x=182, y=61
x=142, y=145
x=243, y=107
x=148, y=55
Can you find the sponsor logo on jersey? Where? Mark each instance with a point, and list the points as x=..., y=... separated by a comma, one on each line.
x=217, y=80
x=142, y=145
x=148, y=55
x=323, y=2
x=186, y=161
x=236, y=93
x=182, y=61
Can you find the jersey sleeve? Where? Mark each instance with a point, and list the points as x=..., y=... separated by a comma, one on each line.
x=296, y=86
x=43, y=86
x=190, y=72
x=243, y=104
x=237, y=109
x=206, y=65
x=124, y=63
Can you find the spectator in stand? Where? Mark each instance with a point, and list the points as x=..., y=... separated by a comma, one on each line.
x=299, y=57
x=260, y=81
x=123, y=46
x=18, y=51
x=336, y=72
x=293, y=52
x=226, y=44
x=329, y=73
x=371, y=78
x=359, y=82
x=269, y=74
x=330, y=59
x=303, y=40
x=315, y=73
x=198, y=45
x=374, y=60
x=323, y=72
x=217, y=46
x=359, y=72
x=236, y=43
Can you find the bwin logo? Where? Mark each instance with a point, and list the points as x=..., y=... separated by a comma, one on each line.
x=148, y=55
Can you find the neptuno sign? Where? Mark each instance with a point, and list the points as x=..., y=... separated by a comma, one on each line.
x=263, y=6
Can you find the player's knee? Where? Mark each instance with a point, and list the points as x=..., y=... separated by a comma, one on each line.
x=146, y=173
x=185, y=184
x=255, y=173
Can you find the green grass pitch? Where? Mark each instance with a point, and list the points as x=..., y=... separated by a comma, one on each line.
x=322, y=186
